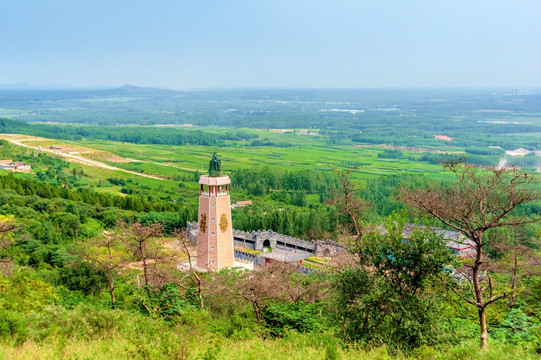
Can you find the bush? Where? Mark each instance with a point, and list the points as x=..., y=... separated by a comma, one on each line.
x=516, y=328
x=164, y=302
x=23, y=293
x=84, y=277
x=302, y=317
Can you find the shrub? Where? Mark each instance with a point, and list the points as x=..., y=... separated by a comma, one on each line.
x=302, y=317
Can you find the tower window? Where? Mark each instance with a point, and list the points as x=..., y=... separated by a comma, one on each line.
x=212, y=205
x=212, y=219
x=212, y=233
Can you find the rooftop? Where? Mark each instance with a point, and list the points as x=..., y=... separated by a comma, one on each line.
x=214, y=180
x=284, y=256
x=455, y=240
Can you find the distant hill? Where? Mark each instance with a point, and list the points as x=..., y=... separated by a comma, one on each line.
x=125, y=88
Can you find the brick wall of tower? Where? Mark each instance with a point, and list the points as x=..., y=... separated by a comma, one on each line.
x=203, y=244
x=224, y=238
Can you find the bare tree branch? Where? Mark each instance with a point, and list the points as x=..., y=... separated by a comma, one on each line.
x=478, y=200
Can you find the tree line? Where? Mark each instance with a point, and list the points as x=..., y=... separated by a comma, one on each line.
x=131, y=134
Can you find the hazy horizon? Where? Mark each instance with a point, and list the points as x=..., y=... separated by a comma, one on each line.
x=60, y=87
x=272, y=44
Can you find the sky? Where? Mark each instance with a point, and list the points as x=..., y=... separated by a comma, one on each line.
x=189, y=44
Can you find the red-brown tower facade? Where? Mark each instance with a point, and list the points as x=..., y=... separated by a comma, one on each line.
x=215, y=234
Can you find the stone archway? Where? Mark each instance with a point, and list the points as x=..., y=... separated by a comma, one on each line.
x=266, y=245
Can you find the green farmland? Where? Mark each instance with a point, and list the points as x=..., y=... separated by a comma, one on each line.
x=306, y=152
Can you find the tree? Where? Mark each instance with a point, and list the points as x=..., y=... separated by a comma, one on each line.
x=192, y=274
x=8, y=225
x=164, y=301
x=141, y=242
x=272, y=282
x=83, y=276
x=518, y=258
x=107, y=252
x=385, y=296
x=346, y=201
x=477, y=201
x=256, y=287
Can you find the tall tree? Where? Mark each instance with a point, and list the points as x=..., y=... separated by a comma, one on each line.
x=190, y=276
x=141, y=241
x=477, y=201
x=107, y=252
x=518, y=257
x=347, y=202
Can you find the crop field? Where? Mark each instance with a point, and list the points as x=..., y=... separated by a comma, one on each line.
x=168, y=171
x=306, y=152
x=94, y=176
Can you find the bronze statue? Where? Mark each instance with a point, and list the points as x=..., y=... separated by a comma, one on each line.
x=215, y=166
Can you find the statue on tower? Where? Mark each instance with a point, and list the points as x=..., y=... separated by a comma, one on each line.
x=215, y=166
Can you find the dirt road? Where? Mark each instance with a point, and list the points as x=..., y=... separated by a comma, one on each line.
x=80, y=159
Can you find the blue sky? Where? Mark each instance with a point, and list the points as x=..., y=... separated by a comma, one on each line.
x=292, y=43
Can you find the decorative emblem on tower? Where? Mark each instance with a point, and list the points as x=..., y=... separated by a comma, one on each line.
x=223, y=223
x=203, y=223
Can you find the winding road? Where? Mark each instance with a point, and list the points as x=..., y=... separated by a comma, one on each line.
x=80, y=159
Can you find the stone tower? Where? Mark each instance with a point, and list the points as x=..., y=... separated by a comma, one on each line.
x=215, y=234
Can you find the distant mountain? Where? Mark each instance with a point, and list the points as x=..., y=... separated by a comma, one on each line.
x=132, y=89
x=140, y=89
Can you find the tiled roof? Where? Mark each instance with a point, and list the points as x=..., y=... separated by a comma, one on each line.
x=284, y=255
x=455, y=240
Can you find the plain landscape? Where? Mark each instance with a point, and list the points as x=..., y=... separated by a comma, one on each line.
x=94, y=229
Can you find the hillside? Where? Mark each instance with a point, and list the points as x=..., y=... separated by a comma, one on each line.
x=95, y=263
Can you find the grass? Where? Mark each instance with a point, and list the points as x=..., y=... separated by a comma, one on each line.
x=181, y=342
x=312, y=265
x=118, y=347
x=318, y=260
x=250, y=251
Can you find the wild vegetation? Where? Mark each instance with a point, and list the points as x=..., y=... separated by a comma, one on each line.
x=88, y=255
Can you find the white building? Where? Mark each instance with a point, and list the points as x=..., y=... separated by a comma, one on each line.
x=17, y=165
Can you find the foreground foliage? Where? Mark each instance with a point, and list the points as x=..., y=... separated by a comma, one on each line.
x=89, y=276
x=98, y=333
x=388, y=295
